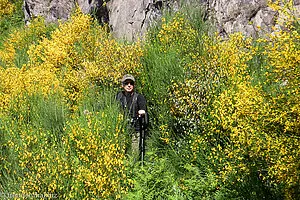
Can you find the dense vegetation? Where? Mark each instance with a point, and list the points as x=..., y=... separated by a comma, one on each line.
x=225, y=116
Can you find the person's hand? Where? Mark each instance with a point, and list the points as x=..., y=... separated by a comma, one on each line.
x=141, y=112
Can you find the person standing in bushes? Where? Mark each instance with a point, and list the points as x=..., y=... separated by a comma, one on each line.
x=134, y=106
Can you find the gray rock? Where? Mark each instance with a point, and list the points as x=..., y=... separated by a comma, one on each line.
x=54, y=10
x=51, y=10
x=251, y=17
x=130, y=19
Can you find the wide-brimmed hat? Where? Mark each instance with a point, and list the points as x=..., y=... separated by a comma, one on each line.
x=127, y=77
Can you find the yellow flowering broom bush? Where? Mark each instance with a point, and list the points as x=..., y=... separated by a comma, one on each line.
x=15, y=82
x=71, y=155
x=80, y=52
x=14, y=50
x=77, y=53
x=221, y=64
x=84, y=158
x=167, y=49
x=6, y=8
x=177, y=33
x=16, y=78
x=249, y=127
x=245, y=124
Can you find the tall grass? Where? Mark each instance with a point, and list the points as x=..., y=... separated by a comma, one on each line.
x=11, y=21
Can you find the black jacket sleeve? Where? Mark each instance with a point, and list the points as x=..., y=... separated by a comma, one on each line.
x=142, y=105
x=141, y=101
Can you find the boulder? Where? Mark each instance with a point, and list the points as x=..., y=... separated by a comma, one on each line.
x=129, y=19
x=50, y=10
x=251, y=17
x=54, y=10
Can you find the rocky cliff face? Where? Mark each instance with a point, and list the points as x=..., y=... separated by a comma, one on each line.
x=251, y=17
x=53, y=10
x=129, y=19
x=246, y=16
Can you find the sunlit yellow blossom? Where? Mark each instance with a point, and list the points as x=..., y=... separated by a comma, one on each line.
x=6, y=8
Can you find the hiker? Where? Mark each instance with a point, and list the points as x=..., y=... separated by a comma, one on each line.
x=134, y=105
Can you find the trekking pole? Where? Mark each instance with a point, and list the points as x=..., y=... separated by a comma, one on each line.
x=142, y=138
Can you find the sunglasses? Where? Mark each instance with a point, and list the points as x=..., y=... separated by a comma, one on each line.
x=128, y=82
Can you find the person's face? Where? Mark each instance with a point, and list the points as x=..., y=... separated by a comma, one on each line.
x=128, y=86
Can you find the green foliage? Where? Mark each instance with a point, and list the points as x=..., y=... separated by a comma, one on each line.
x=160, y=68
x=12, y=21
x=238, y=98
x=224, y=113
x=154, y=181
x=172, y=177
x=63, y=152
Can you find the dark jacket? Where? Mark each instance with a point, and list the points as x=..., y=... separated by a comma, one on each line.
x=131, y=103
